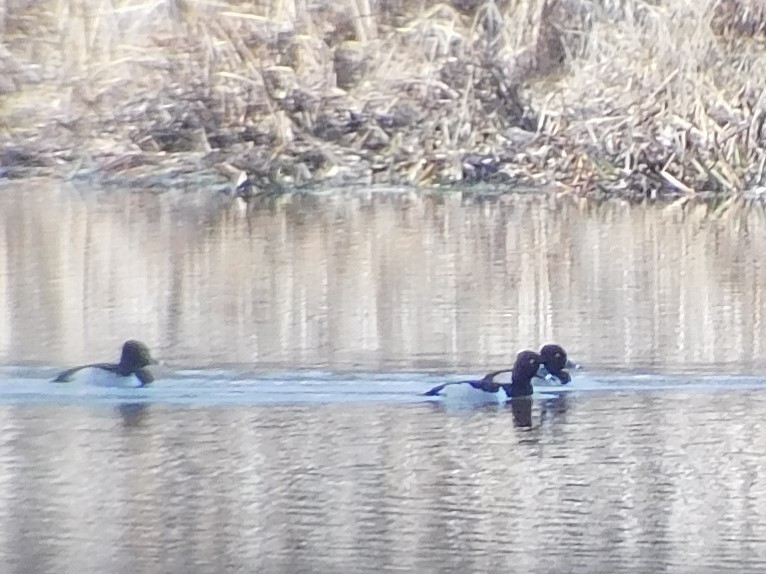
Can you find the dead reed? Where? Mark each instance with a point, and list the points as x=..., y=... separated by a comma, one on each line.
x=631, y=97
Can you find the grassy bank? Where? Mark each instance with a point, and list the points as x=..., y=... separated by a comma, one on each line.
x=621, y=97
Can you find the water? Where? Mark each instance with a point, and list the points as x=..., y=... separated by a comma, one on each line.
x=287, y=431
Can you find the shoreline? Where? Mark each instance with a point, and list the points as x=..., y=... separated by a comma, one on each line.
x=637, y=104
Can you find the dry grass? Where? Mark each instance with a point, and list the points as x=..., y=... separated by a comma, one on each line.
x=629, y=96
x=660, y=93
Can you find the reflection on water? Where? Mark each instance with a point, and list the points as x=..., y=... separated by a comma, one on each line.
x=378, y=281
x=669, y=482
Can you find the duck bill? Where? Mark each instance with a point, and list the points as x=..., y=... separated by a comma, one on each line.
x=572, y=365
x=561, y=377
x=544, y=374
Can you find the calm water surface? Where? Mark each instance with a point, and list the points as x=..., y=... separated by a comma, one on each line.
x=287, y=433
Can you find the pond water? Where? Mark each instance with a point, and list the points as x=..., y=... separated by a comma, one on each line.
x=287, y=431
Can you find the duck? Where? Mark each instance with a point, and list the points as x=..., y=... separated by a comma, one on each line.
x=525, y=368
x=555, y=361
x=552, y=365
x=131, y=371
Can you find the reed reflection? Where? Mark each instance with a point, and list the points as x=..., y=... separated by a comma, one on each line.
x=379, y=282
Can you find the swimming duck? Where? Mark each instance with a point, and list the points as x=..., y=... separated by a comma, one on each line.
x=525, y=368
x=555, y=360
x=131, y=371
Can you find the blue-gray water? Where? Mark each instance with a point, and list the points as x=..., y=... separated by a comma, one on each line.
x=286, y=431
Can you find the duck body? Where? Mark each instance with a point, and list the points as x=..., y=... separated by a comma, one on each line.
x=130, y=372
x=487, y=389
x=103, y=375
x=475, y=391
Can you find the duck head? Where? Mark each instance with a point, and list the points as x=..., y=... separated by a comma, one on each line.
x=555, y=362
x=135, y=357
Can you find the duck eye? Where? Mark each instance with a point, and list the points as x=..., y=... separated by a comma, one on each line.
x=531, y=361
x=558, y=355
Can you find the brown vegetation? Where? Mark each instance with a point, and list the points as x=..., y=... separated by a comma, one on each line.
x=652, y=97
